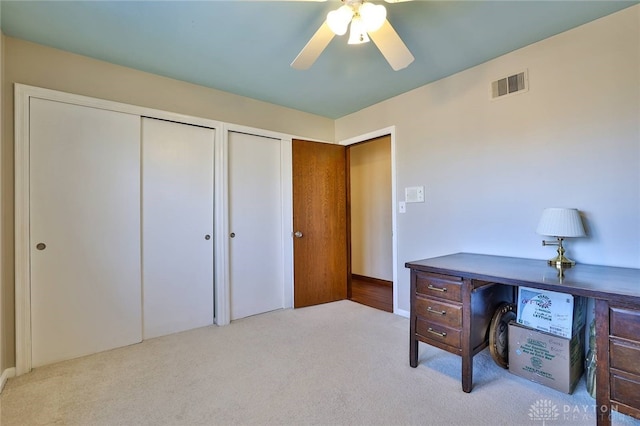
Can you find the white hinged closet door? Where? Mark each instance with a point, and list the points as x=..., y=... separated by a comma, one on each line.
x=84, y=230
x=177, y=205
x=256, y=270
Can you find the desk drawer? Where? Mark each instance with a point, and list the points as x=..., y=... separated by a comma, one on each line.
x=625, y=388
x=625, y=323
x=439, y=333
x=625, y=356
x=440, y=312
x=440, y=286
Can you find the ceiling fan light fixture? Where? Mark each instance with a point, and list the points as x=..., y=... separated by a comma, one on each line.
x=367, y=21
x=338, y=20
x=358, y=33
x=373, y=16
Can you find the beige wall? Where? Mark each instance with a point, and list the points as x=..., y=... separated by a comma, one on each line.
x=38, y=65
x=370, y=191
x=41, y=66
x=490, y=167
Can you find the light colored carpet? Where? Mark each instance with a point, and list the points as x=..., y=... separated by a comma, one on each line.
x=336, y=364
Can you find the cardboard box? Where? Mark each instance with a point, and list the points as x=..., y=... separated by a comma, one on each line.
x=546, y=359
x=552, y=312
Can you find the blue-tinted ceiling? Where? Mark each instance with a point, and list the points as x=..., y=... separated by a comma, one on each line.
x=245, y=47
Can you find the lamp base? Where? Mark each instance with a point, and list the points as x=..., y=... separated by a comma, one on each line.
x=561, y=262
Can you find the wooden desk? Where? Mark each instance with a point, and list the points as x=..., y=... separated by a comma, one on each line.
x=452, y=298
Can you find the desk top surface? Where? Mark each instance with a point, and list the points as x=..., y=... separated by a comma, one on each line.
x=604, y=282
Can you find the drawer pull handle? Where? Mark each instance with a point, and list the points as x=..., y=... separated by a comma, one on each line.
x=437, y=288
x=437, y=333
x=433, y=311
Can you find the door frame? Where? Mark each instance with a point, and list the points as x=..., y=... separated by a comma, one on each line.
x=391, y=131
x=22, y=95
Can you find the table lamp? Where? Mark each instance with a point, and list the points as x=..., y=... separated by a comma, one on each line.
x=560, y=223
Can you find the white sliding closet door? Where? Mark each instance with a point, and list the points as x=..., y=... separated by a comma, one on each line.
x=255, y=223
x=84, y=230
x=177, y=205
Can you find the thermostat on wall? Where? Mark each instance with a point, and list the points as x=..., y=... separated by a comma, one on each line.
x=414, y=194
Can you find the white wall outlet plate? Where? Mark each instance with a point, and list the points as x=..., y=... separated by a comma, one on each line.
x=414, y=194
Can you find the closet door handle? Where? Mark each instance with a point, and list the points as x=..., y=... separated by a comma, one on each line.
x=41, y=246
x=207, y=237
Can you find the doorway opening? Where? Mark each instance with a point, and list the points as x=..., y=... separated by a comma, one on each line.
x=370, y=223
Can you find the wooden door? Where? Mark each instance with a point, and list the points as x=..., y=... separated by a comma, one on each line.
x=84, y=230
x=319, y=223
x=177, y=205
x=256, y=239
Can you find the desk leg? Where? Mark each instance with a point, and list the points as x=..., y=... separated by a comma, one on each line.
x=603, y=391
x=467, y=373
x=413, y=351
x=413, y=342
x=467, y=350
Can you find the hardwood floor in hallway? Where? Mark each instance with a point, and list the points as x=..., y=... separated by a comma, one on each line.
x=372, y=292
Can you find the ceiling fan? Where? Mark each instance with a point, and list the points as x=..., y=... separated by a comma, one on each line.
x=367, y=20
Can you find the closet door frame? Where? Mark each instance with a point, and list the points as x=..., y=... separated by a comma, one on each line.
x=22, y=95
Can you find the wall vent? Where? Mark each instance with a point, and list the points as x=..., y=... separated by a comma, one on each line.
x=516, y=83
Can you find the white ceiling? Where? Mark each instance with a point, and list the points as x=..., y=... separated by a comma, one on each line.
x=245, y=47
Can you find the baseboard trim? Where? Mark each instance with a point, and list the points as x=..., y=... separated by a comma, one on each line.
x=402, y=313
x=372, y=280
x=6, y=375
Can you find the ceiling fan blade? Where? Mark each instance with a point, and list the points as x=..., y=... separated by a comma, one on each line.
x=314, y=48
x=391, y=46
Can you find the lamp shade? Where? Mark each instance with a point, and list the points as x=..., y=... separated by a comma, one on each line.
x=560, y=222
